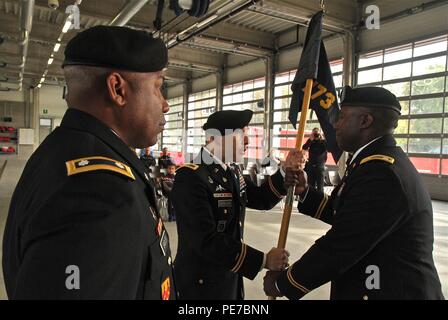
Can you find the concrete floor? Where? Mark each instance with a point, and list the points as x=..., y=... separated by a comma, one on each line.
x=261, y=232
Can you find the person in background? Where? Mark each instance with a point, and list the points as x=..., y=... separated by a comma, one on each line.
x=148, y=159
x=165, y=159
x=317, y=157
x=167, y=186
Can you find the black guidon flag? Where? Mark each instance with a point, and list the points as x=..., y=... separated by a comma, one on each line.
x=314, y=65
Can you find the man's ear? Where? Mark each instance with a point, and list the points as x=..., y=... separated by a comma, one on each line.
x=117, y=88
x=367, y=120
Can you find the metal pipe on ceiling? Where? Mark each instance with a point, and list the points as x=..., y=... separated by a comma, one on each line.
x=287, y=16
x=128, y=12
x=26, y=23
x=236, y=49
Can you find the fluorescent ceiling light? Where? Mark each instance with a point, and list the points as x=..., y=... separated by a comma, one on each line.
x=50, y=61
x=172, y=41
x=42, y=80
x=39, y=85
x=67, y=25
x=204, y=22
x=56, y=47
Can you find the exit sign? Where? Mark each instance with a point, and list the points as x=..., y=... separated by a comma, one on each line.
x=45, y=111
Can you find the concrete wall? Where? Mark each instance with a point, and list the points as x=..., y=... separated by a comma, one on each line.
x=17, y=96
x=50, y=98
x=405, y=29
x=437, y=187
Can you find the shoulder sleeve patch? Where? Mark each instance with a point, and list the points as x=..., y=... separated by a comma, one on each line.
x=189, y=166
x=98, y=163
x=379, y=157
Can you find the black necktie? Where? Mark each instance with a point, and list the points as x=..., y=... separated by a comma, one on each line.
x=349, y=159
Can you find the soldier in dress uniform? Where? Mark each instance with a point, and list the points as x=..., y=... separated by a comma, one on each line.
x=83, y=222
x=381, y=238
x=210, y=197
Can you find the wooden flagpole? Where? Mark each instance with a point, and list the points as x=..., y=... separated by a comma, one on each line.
x=299, y=143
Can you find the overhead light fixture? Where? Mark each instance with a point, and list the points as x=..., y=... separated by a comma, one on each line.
x=56, y=47
x=50, y=61
x=67, y=25
x=39, y=85
x=42, y=80
x=171, y=42
x=205, y=21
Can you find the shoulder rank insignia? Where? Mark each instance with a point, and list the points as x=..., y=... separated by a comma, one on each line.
x=189, y=166
x=379, y=157
x=98, y=163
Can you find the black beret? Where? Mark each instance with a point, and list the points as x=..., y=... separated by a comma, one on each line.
x=228, y=119
x=118, y=48
x=369, y=97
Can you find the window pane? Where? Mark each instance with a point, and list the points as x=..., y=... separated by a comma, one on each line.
x=282, y=77
x=403, y=143
x=248, y=85
x=259, y=94
x=227, y=100
x=369, y=76
x=424, y=145
x=173, y=116
x=259, y=83
x=281, y=103
x=404, y=107
x=421, y=106
x=445, y=146
x=248, y=96
x=426, y=86
x=430, y=46
x=399, y=89
x=370, y=59
x=257, y=118
x=282, y=90
x=429, y=66
x=284, y=129
x=426, y=165
x=398, y=53
x=397, y=71
x=425, y=126
x=281, y=116
x=445, y=167
x=195, y=132
x=336, y=67
x=309, y=126
x=237, y=87
x=284, y=142
x=445, y=126
x=337, y=81
x=402, y=126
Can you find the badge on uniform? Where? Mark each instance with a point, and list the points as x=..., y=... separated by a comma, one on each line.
x=219, y=188
x=226, y=203
x=223, y=195
x=159, y=227
x=221, y=225
x=165, y=289
x=164, y=243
